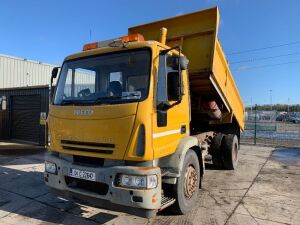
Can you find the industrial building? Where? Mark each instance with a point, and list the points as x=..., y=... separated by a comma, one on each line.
x=24, y=98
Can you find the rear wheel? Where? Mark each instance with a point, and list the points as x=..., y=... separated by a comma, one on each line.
x=187, y=186
x=230, y=146
x=216, y=151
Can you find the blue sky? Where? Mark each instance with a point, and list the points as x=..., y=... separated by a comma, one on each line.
x=47, y=31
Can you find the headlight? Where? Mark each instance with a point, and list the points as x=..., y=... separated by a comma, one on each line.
x=151, y=181
x=133, y=181
x=50, y=167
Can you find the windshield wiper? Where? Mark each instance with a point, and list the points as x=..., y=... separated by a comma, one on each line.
x=73, y=102
x=68, y=102
x=104, y=99
x=131, y=95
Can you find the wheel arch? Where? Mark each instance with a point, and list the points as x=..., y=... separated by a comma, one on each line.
x=174, y=162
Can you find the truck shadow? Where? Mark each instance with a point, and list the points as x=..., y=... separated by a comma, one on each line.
x=24, y=196
x=210, y=166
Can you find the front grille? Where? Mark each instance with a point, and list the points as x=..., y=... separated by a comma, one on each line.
x=88, y=150
x=91, y=144
x=103, y=148
x=91, y=186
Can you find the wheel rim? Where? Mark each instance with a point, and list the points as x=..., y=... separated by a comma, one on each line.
x=191, y=179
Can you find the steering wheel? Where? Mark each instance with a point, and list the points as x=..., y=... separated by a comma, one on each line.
x=84, y=93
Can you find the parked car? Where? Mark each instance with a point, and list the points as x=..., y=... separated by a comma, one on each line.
x=280, y=118
x=296, y=119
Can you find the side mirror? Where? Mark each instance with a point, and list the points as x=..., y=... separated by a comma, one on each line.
x=176, y=62
x=53, y=76
x=174, y=86
x=183, y=62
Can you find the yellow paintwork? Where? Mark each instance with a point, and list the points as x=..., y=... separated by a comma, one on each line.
x=111, y=124
x=225, y=81
x=197, y=33
x=119, y=124
x=177, y=116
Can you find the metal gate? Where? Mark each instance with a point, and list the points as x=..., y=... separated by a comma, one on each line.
x=25, y=115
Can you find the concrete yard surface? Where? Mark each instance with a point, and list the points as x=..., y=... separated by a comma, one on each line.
x=265, y=189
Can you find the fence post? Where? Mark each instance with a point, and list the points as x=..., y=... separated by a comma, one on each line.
x=255, y=109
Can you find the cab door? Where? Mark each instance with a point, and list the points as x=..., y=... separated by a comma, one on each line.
x=172, y=112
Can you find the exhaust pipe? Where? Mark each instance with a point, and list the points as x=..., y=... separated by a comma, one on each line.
x=163, y=35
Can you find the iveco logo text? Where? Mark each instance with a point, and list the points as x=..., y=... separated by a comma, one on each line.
x=83, y=112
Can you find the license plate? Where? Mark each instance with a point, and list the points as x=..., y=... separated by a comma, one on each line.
x=82, y=174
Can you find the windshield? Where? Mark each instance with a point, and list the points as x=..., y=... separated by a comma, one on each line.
x=109, y=79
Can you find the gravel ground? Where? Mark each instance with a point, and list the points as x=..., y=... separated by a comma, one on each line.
x=264, y=190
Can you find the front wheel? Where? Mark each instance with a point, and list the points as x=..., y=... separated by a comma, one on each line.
x=187, y=186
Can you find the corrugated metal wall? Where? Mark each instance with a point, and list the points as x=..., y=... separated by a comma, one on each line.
x=22, y=77
x=18, y=72
x=5, y=116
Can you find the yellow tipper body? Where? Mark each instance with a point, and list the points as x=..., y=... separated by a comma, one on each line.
x=209, y=72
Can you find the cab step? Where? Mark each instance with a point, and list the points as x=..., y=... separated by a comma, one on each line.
x=166, y=202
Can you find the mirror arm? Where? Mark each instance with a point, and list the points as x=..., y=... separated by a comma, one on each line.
x=174, y=104
x=51, y=82
x=166, y=105
x=180, y=77
x=163, y=106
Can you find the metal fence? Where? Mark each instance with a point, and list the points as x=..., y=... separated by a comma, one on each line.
x=271, y=128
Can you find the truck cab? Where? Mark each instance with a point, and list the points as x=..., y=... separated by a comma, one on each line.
x=123, y=128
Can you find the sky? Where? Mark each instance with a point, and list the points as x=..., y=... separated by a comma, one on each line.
x=261, y=38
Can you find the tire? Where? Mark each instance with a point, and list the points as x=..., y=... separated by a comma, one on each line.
x=185, y=200
x=230, y=146
x=216, y=151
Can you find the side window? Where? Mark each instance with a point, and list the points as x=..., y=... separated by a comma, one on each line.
x=116, y=76
x=84, y=82
x=68, y=85
x=174, y=83
x=115, y=87
x=79, y=80
x=161, y=81
x=137, y=83
x=169, y=80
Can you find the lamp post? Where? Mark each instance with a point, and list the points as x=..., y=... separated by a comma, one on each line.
x=271, y=99
x=255, y=110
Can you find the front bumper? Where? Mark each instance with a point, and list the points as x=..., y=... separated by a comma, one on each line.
x=137, y=198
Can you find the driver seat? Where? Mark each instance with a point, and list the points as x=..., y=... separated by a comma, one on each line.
x=115, y=87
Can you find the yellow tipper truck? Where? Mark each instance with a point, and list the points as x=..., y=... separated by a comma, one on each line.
x=133, y=119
